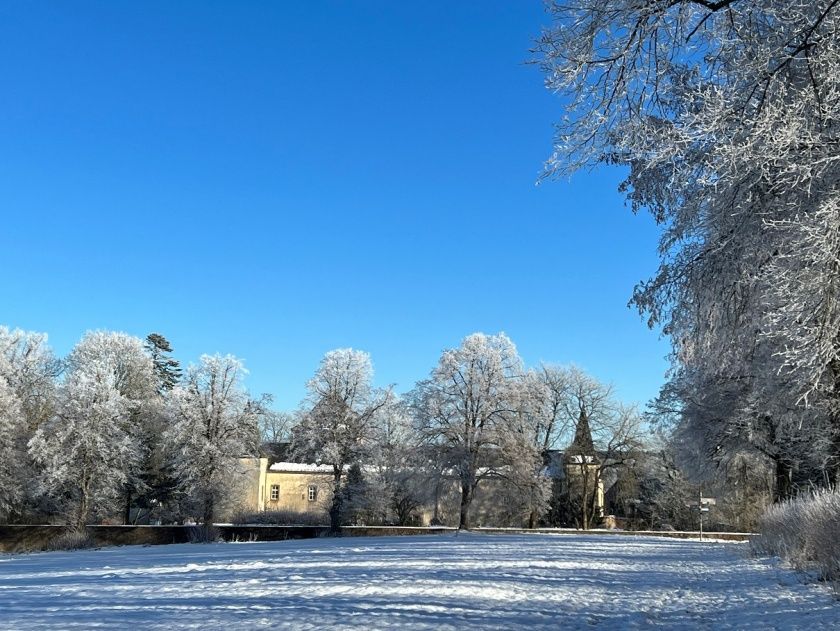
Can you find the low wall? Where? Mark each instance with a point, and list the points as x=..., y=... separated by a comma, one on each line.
x=21, y=538
x=392, y=531
x=17, y=538
x=14, y=538
x=674, y=534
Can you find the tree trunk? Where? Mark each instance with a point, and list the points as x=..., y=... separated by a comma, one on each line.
x=593, y=498
x=584, y=497
x=127, y=514
x=834, y=455
x=466, y=500
x=532, y=519
x=335, y=513
x=335, y=504
x=436, y=514
x=833, y=472
x=784, y=472
x=81, y=517
x=209, y=510
x=84, y=501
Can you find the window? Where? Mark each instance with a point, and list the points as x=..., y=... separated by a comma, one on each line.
x=313, y=492
x=275, y=492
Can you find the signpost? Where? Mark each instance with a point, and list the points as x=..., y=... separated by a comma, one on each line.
x=703, y=507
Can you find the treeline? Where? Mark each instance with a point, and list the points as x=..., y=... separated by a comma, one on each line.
x=118, y=432
x=480, y=414
x=117, y=428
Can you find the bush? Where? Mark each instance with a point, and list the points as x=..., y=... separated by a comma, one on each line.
x=71, y=540
x=805, y=531
x=281, y=518
x=201, y=533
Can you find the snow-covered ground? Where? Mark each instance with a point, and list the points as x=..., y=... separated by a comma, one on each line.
x=435, y=582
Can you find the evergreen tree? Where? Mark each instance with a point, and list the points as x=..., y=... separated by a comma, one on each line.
x=354, y=500
x=157, y=473
x=167, y=369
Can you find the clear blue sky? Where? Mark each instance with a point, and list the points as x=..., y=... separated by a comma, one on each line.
x=274, y=180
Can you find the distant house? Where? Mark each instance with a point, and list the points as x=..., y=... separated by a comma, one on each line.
x=291, y=487
x=305, y=490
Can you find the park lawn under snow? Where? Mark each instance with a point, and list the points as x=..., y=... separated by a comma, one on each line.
x=435, y=582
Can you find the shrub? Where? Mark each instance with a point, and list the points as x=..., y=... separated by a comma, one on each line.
x=71, y=540
x=201, y=533
x=805, y=531
x=281, y=518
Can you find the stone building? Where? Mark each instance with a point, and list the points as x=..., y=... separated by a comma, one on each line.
x=305, y=490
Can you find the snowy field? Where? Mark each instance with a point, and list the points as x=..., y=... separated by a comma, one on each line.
x=429, y=582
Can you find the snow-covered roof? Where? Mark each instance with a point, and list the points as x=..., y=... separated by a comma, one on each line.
x=297, y=467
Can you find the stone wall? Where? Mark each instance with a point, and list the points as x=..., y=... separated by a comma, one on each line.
x=32, y=538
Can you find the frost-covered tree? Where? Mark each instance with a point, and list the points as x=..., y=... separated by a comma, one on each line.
x=122, y=356
x=655, y=492
x=549, y=388
x=28, y=370
x=91, y=448
x=725, y=115
x=400, y=469
x=11, y=478
x=275, y=426
x=541, y=422
x=151, y=486
x=605, y=436
x=85, y=450
x=134, y=377
x=339, y=419
x=31, y=369
x=214, y=424
x=463, y=407
x=527, y=434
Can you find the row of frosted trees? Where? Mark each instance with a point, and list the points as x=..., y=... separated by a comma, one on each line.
x=483, y=421
x=116, y=431
x=480, y=415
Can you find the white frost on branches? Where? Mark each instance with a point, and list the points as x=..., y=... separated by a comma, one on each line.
x=726, y=113
x=214, y=424
x=341, y=416
x=466, y=404
x=10, y=419
x=87, y=450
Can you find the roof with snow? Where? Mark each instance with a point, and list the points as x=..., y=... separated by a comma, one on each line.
x=298, y=467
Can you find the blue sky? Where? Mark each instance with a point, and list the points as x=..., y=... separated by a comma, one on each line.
x=274, y=180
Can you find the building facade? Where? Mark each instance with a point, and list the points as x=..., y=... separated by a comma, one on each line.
x=304, y=491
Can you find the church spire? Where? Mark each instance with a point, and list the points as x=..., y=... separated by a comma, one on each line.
x=582, y=444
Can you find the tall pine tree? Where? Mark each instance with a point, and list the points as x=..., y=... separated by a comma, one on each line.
x=167, y=369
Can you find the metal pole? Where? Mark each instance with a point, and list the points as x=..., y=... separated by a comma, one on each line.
x=700, y=510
